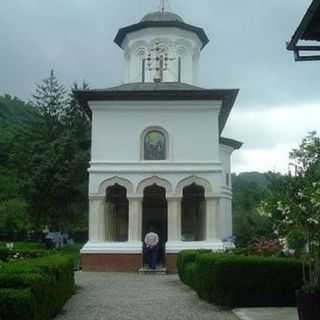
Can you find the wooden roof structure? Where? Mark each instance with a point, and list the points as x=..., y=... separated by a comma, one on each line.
x=308, y=30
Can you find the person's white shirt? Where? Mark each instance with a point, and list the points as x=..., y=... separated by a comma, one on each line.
x=151, y=240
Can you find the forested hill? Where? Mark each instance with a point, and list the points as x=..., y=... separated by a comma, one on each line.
x=13, y=112
x=258, y=178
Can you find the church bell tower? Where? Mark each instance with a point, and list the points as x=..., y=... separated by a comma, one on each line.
x=161, y=48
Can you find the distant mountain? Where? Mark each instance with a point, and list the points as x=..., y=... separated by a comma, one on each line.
x=261, y=179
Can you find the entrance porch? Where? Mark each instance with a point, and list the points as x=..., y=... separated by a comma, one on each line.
x=119, y=219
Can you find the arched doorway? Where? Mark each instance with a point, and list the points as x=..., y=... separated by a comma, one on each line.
x=155, y=215
x=193, y=213
x=117, y=213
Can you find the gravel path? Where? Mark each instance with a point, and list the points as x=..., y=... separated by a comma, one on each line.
x=115, y=296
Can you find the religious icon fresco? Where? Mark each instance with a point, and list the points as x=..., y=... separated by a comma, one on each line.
x=154, y=146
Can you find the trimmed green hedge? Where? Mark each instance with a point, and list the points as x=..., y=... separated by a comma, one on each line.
x=241, y=281
x=47, y=283
x=4, y=254
x=204, y=278
x=190, y=275
x=255, y=281
x=17, y=304
x=184, y=258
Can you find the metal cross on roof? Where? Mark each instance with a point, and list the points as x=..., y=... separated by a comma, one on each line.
x=163, y=5
x=157, y=60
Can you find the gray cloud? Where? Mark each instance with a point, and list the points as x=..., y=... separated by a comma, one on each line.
x=247, y=51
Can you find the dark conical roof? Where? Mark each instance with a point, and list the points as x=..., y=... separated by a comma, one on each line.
x=162, y=16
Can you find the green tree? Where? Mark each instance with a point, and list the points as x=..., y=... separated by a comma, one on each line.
x=50, y=98
x=294, y=207
x=248, y=224
x=52, y=156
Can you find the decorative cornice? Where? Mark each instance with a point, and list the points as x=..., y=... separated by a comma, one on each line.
x=97, y=197
x=123, y=32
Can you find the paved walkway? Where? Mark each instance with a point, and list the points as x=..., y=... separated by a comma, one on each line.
x=114, y=296
x=267, y=314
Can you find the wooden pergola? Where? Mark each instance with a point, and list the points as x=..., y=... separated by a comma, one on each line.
x=308, y=32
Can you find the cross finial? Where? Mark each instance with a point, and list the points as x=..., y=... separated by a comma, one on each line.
x=163, y=5
x=158, y=61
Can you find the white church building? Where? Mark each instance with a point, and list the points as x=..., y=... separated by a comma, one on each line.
x=158, y=158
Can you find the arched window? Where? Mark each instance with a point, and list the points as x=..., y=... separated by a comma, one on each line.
x=141, y=53
x=155, y=144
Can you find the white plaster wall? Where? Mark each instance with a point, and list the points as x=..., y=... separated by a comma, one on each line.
x=225, y=158
x=179, y=43
x=192, y=128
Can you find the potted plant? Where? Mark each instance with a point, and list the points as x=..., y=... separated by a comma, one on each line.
x=308, y=297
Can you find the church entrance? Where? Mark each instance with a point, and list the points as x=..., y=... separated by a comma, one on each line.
x=193, y=209
x=116, y=214
x=155, y=216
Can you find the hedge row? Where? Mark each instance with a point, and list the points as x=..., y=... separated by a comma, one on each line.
x=183, y=260
x=35, y=289
x=240, y=281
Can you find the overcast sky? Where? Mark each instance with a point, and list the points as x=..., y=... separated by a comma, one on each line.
x=279, y=101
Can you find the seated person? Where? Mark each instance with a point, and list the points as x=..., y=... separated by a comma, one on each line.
x=151, y=242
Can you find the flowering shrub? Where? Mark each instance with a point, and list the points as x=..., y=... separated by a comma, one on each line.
x=267, y=248
x=293, y=208
x=297, y=219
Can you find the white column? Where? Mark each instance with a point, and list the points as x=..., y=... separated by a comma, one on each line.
x=225, y=218
x=135, y=219
x=211, y=219
x=97, y=219
x=109, y=227
x=174, y=219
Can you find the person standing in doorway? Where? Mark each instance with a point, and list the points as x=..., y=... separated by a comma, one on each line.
x=151, y=242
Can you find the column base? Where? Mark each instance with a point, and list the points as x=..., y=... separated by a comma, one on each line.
x=111, y=256
x=130, y=247
x=174, y=247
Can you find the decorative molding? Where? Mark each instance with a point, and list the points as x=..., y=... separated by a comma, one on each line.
x=96, y=197
x=134, y=196
x=137, y=45
x=213, y=195
x=154, y=181
x=194, y=180
x=115, y=180
x=188, y=168
x=173, y=196
x=172, y=105
x=193, y=163
x=174, y=247
x=93, y=247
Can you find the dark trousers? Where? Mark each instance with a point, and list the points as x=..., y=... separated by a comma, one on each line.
x=152, y=257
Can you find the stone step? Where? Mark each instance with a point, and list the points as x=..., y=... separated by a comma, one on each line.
x=158, y=271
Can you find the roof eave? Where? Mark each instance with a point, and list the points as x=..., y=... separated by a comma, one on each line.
x=227, y=96
x=315, y=5
x=234, y=144
x=123, y=32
